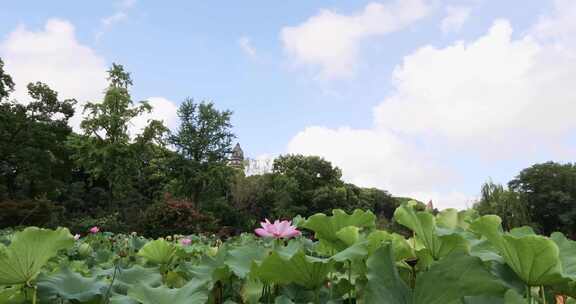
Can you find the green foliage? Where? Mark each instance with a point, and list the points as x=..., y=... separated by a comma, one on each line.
x=6, y=83
x=33, y=156
x=105, y=150
x=39, y=212
x=534, y=258
x=29, y=251
x=159, y=252
x=191, y=293
x=174, y=216
x=203, y=142
x=548, y=191
x=495, y=199
x=69, y=286
x=350, y=262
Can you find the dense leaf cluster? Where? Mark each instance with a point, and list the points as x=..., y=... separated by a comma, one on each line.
x=452, y=257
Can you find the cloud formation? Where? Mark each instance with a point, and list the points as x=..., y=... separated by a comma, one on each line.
x=329, y=42
x=501, y=97
x=455, y=18
x=53, y=55
x=120, y=15
x=246, y=46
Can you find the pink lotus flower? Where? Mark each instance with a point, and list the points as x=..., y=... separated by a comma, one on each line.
x=185, y=242
x=76, y=236
x=283, y=229
x=94, y=229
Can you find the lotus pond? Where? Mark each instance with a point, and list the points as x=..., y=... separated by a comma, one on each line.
x=451, y=257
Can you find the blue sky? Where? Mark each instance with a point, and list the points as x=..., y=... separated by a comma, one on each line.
x=420, y=97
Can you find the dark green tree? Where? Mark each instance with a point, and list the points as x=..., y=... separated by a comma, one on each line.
x=549, y=192
x=6, y=83
x=203, y=143
x=33, y=156
x=105, y=150
x=311, y=172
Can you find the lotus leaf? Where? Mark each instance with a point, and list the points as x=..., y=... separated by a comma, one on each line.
x=29, y=251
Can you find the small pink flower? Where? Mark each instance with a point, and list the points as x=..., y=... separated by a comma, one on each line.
x=185, y=242
x=280, y=229
x=76, y=236
x=94, y=229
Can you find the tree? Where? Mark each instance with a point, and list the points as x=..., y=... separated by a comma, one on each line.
x=6, y=83
x=203, y=143
x=495, y=199
x=33, y=157
x=549, y=192
x=310, y=172
x=105, y=150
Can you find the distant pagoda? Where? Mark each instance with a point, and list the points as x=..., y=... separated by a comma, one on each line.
x=237, y=157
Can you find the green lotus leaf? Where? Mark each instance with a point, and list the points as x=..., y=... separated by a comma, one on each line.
x=122, y=299
x=194, y=292
x=513, y=297
x=326, y=228
x=455, y=277
x=522, y=231
x=283, y=300
x=402, y=249
x=211, y=269
x=384, y=283
x=251, y=291
x=567, y=254
x=240, y=259
x=126, y=277
x=69, y=286
x=354, y=252
x=423, y=224
x=12, y=295
x=448, y=218
x=159, y=251
x=349, y=235
x=534, y=258
x=297, y=268
x=448, y=281
x=29, y=251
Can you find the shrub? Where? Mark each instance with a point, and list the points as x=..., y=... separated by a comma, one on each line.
x=175, y=216
x=41, y=212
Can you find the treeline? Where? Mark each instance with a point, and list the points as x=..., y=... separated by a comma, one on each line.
x=155, y=181
x=542, y=196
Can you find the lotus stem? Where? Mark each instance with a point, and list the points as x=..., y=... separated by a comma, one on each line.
x=35, y=289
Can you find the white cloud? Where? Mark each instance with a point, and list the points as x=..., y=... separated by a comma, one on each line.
x=559, y=27
x=245, y=44
x=330, y=41
x=162, y=109
x=54, y=56
x=493, y=89
x=455, y=18
x=499, y=95
x=372, y=158
x=120, y=15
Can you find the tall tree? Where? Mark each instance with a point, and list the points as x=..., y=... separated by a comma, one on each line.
x=549, y=192
x=203, y=142
x=33, y=157
x=105, y=149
